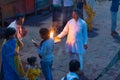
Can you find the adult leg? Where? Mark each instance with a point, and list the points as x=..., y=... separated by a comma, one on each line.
x=80, y=56
x=64, y=16
x=24, y=32
x=73, y=56
x=113, y=23
x=69, y=12
x=1, y=73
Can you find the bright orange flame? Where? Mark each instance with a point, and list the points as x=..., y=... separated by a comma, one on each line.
x=52, y=34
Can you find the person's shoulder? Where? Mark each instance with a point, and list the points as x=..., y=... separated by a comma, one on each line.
x=71, y=20
x=50, y=41
x=13, y=24
x=82, y=21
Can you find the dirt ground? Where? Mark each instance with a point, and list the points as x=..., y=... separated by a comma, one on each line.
x=101, y=46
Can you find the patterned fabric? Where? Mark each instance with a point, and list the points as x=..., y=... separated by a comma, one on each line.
x=18, y=65
x=90, y=15
x=33, y=73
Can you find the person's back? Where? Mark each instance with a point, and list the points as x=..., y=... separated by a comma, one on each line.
x=48, y=46
x=74, y=67
x=71, y=76
x=74, y=72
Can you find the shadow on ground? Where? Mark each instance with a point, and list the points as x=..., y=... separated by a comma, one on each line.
x=36, y=20
x=117, y=39
x=93, y=33
x=118, y=77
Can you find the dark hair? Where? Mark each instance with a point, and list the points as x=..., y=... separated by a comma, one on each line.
x=44, y=32
x=19, y=16
x=77, y=11
x=74, y=65
x=9, y=32
x=31, y=60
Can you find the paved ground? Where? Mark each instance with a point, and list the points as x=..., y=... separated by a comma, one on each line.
x=101, y=46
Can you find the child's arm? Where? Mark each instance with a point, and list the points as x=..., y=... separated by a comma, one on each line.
x=35, y=43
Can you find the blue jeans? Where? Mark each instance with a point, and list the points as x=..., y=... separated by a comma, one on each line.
x=113, y=21
x=47, y=69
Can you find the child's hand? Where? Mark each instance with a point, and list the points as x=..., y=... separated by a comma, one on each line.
x=35, y=43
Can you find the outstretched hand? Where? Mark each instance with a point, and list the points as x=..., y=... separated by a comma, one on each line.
x=85, y=46
x=57, y=39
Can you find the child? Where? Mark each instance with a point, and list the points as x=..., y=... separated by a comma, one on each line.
x=74, y=72
x=45, y=50
x=33, y=70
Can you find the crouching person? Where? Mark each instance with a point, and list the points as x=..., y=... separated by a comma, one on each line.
x=74, y=72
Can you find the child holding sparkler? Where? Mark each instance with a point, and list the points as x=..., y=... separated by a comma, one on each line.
x=45, y=50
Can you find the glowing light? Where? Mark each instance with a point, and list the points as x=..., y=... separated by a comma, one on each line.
x=56, y=40
x=52, y=34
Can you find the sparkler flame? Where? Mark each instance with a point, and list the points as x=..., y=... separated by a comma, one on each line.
x=52, y=34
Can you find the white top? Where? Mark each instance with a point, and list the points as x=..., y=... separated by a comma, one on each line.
x=17, y=28
x=71, y=76
x=68, y=3
x=57, y=2
x=77, y=36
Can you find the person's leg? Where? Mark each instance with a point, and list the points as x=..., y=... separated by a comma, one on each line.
x=1, y=73
x=64, y=16
x=80, y=56
x=69, y=12
x=113, y=21
x=73, y=56
x=47, y=70
x=50, y=71
x=81, y=13
x=53, y=13
x=24, y=32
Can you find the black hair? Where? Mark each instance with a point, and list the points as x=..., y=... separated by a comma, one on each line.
x=9, y=32
x=19, y=16
x=77, y=11
x=44, y=32
x=31, y=60
x=74, y=65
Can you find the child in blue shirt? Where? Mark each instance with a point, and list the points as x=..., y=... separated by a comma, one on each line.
x=45, y=50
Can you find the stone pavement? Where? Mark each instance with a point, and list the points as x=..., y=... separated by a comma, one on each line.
x=101, y=46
